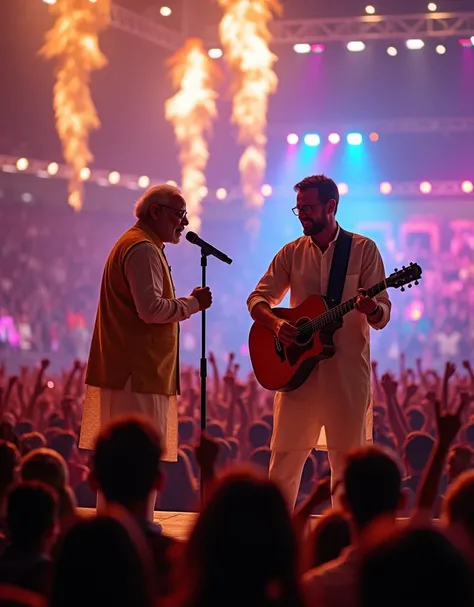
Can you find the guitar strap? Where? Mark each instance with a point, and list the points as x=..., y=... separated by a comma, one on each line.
x=340, y=262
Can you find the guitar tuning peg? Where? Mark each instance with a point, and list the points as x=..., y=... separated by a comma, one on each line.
x=396, y=269
x=410, y=286
x=416, y=282
x=403, y=267
x=402, y=289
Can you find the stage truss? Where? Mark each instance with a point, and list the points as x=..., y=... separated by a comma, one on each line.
x=441, y=125
x=293, y=31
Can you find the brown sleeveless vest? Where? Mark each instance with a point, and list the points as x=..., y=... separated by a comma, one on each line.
x=122, y=344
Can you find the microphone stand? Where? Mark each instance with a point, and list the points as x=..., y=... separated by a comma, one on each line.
x=203, y=362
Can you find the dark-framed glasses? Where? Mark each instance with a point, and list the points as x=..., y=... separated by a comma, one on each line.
x=305, y=209
x=181, y=213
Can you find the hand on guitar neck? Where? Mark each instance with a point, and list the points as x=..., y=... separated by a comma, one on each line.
x=285, y=331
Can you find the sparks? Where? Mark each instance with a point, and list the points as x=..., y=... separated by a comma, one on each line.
x=191, y=111
x=73, y=39
x=245, y=37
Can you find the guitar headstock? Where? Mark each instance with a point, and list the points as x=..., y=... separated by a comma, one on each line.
x=406, y=276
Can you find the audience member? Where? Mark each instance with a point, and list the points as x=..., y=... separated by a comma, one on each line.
x=32, y=527
x=372, y=495
x=126, y=470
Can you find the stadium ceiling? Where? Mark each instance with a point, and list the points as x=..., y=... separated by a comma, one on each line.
x=369, y=27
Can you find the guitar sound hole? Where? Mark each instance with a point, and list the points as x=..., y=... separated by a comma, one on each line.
x=304, y=336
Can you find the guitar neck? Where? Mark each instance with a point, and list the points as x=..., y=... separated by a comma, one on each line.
x=342, y=309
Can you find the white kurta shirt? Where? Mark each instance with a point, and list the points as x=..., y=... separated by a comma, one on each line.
x=144, y=272
x=333, y=408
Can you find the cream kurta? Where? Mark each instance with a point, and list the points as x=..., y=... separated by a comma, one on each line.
x=144, y=273
x=333, y=408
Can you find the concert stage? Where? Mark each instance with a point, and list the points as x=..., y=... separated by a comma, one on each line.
x=179, y=524
x=175, y=524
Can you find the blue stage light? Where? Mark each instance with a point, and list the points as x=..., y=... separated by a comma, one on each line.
x=312, y=139
x=354, y=139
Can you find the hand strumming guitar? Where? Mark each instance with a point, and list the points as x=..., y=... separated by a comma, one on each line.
x=285, y=331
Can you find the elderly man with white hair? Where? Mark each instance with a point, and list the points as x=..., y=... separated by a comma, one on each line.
x=133, y=364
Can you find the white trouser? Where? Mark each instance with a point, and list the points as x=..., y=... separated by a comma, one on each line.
x=286, y=468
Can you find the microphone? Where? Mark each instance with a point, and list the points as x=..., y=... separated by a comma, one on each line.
x=207, y=248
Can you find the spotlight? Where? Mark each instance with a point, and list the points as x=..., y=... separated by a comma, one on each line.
x=318, y=48
x=165, y=11
x=392, y=51
x=432, y=7
x=441, y=49
x=215, y=53
x=302, y=48
x=50, y=384
x=467, y=187
x=370, y=10
x=143, y=181
x=355, y=46
x=415, y=44
x=53, y=168
x=343, y=188
x=354, y=139
x=114, y=177
x=292, y=139
x=27, y=197
x=425, y=187
x=22, y=164
x=385, y=187
x=466, y=42
x=472, y=40
x=374, y=137
x=221, y=194
x=85, y=173
x=312, y=140
x=334, y=138
x=266, y=190
x=203, y=191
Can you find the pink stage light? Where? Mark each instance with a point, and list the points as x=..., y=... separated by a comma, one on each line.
x=425, y=187
x=317, y=48
x=334, y=138
x=385, y=187
x=465, y=42
x=467, y=187
x=244, y=350
x=292, y=139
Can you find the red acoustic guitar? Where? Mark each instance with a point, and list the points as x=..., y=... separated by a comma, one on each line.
x=285, y=368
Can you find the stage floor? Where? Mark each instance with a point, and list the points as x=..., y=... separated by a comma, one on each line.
x=179, y=524
x=175, y=524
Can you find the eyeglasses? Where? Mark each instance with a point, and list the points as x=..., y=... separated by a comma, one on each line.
x=181, y=213
x=305, y=209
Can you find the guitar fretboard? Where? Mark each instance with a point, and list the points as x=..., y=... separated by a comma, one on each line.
x=336, y=313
